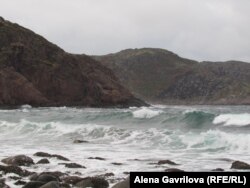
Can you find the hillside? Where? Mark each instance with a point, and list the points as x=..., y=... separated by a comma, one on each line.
x=36, y=72
x=160, y=76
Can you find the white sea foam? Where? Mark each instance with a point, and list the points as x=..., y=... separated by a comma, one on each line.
x=233, y=119
x=146, y=112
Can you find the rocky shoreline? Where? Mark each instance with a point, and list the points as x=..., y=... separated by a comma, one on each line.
x=17, y=169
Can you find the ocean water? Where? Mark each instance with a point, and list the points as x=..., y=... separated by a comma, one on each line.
x=199, y=138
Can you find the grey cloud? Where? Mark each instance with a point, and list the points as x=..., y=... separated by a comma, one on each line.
x=197, y=29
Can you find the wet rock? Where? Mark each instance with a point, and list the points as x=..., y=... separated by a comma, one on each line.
x=19, y=160
x=56, y=174
x=240, y=165
x=46, y=178
x=43, y=161
x=60, y=157
x=109, y=174
x=42, y=154
x=52, y=184
x=97, y=158
x=64, y=185
x=14, y=169
x=117, y=164
x=174, y=170
x=123, y=184
x=14, y=177
x=161, y=162
x=72, y=179
x=33, y=184
x=80, y=141
x=94, y=182
x=2, y=184
x=20, y=182
x=72, y=165
x=218, y=170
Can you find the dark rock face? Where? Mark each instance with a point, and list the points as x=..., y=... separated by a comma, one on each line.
x=52, y=184
x=97, y=158
x=33, y=184
x=166, y=162
x=19, y=160
x=2, y=184
x=14, y=169
x=36, y=72
x=174, y=170
x=240, y=165
x=80, y=141
x=218, y=170
x=43, y=161
x=160, y=76
x=72, y=165
x=43, y=154
x=94, y=182
x=122, y=184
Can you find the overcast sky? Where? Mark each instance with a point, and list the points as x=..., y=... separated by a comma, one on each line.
x=197, y=29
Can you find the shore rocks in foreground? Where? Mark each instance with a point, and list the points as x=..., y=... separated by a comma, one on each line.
x=240, y=165
x=14, y=169
x=123, y=184
x=43, y=154
x=18, y=160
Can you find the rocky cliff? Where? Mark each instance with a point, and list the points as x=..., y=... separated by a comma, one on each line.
x=36, y=72
x=160, y=76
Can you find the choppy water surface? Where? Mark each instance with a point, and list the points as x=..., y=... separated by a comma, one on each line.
x=199, y=138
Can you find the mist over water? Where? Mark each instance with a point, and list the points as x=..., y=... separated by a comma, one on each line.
x=199, y=138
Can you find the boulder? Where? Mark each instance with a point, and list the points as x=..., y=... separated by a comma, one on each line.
x=94, y=182
x=33, y=184
x=240, y=165
x=72, y=165
x=80, y=141
x=18, y=160
x=14, y=169
x=174, y=170
x=161, y=162
x=43, y=161
x=123, y=184
x=97, y=158
x=52, y=184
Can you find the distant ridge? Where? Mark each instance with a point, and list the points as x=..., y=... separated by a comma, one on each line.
x=160, y=76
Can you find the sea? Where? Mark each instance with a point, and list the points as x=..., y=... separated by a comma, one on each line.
x=198, y=138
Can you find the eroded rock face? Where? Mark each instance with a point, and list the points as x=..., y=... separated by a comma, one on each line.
x=36, y=72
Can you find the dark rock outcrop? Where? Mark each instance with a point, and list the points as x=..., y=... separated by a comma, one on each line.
x=18, y=160
x=33, y=184
x=94, y=182
x=43, y=154
x=14, y=169
x=160, y=76
x=72, y=165
x=52, y=184
x=174, y=170
x=36, y=72
x=97, y=158
x=80, y=141
x=161, y=162
x=123, y=184
x=240, y=165
x=43, y=161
